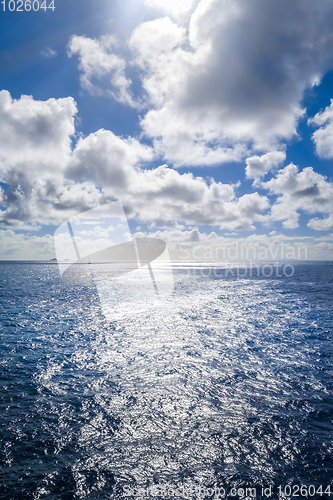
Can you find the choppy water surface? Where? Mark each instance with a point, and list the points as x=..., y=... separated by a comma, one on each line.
x=229, y=383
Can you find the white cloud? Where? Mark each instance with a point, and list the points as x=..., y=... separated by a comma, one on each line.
x=307, y=191
x=107, y=160
x=98, y=60
x=35, y=148
x=46, y=201
x=192, y=245
x=321, y=224
x=233, y=81
x=189, y=245
x=323, y=137
x=189, y=200
x=222, y=84
x=15, y=246
x=160, y=196
x=48, y=52
x=258, y=166
x=35, y=133
x=48, y=182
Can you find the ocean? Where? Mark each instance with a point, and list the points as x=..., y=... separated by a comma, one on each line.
x=225, y=390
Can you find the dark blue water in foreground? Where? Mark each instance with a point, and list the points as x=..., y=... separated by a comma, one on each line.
x=230, y=383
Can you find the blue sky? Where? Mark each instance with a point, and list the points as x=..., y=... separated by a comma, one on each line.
x=210, y=116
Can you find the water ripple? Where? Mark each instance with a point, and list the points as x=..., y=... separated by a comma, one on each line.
x=229, y=383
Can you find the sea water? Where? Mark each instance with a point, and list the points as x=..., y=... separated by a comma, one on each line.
x=228, y=384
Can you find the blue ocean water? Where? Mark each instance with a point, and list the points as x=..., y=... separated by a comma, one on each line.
x=228, y=383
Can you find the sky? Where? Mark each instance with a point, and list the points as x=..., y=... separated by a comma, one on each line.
x=210, y=120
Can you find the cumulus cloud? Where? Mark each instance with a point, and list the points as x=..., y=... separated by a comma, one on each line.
x=193, y=245
x=98, y=60
x=160, y=196
x=233, y=81
x=25, y=247
x=46, y=200
x=258, y=166
x=50, y=182
x=307, y=191
x=323, y=137
x=35, y=133
x=187, y=245
x=188, y=199
x=222, y=83
x=321, y=224
x=35, y=148
x=107, y=159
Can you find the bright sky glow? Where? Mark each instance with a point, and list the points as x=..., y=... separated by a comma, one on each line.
x=172, y=6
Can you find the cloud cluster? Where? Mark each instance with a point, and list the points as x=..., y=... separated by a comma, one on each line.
x=321, y=224
x=25, y=247
x=97, y=61
x=46, y=201
x=307, y=191
x=188, y=245
x=35, y=135
x=196, y=246
x=49, y=181
x=233, y=80
x=107, y=160
x=160, y=196
x=35, y=145
x=222, y=83
x=190, y=200
x=258, y=166
x=323, y=137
